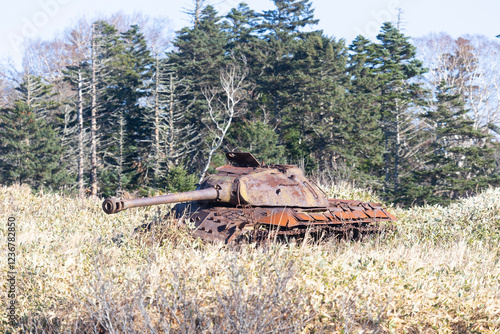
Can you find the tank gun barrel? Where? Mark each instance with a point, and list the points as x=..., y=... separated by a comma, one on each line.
x=113, y=205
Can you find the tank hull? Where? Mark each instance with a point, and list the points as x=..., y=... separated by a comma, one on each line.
x=232, y=224
x=251, y=200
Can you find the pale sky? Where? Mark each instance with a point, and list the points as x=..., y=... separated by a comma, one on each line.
x=340, y=19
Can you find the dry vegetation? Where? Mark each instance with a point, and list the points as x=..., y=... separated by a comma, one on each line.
x=80, y=270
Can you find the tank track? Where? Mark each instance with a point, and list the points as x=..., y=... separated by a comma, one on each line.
x=347, y=219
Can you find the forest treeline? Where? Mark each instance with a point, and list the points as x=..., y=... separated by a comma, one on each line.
x=121, y=104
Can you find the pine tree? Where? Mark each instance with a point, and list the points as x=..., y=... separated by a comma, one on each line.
x=199, y=57
x=200, y=52
x=241, y=27
x=363, y=142
x=177, y=179
x=103, y=38
x=128, y=146
x=38, y=96
x=29, y=150
x=281, y=30
x=316, y=113
x=396, y=66
x=258, y=138
x=287, y=20
x=243, y=48
x=300, y=77
x=460, y=158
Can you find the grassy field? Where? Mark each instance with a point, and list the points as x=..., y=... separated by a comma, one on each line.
x=80, y=270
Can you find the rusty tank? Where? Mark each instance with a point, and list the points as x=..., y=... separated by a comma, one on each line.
x=253, y=201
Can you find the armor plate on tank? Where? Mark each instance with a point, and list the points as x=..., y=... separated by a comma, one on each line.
x=274, y=188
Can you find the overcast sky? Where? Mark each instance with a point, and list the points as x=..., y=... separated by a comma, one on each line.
x=340, y=19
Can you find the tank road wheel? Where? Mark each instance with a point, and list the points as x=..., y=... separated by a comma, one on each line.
x=227, y=225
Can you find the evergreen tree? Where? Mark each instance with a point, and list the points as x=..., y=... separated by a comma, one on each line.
x=460, y=159
x=396, y=66
x=39, y=96
x=130, y=66
x=363, y=137
x=315, y=127
x=243, y=49
x=241, y=26
x=199, y=57
x=177, y=179
x=257, y=138
x=110, y=86
x=281, y=29
x=200, y=52
x=29, y=150
x=287, y=20
x=300, y=76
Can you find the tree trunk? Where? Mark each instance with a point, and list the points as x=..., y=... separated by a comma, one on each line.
x=157, y=125
x=81, y=185
x=93, y=121
x=120, y=161
x=397, y=152
x=171, y=124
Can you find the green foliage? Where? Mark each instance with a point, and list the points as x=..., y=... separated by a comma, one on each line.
x=198, y=58
x=394, y=63
x=129, y=66
x=358, y=111
x=257, y=138
x=287, y=20
x=38, y=95
x=365, y=136
x=290, y=59
x=30, y=150
x=240, y=26
x=315, y=123
x=459, y=161
x=177, y=180
x=108, y=183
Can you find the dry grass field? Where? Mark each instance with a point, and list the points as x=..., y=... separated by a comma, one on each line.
x=80, y=270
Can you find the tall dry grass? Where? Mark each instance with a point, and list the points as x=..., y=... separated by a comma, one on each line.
x=80, y=270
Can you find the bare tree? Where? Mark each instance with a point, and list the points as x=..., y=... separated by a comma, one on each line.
x=81, y=132
x=93, y=115
x=222, y=103
x=483, y=93
x=79, y=39
x=159, y=37
x=4, y=87
x=7, y=91
x=195, y=11
x=59, y=62
x=471, y=64
x=86, y=45
x=172, y=135
x=98, y=68
x=408, y=141
x=116, y=160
